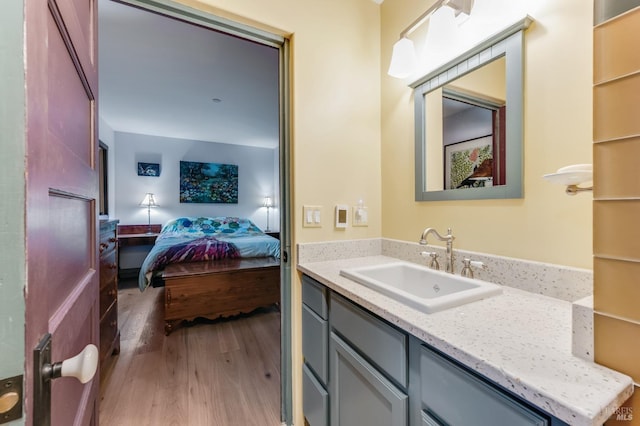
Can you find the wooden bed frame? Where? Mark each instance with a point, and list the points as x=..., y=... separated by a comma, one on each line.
x=219, y=288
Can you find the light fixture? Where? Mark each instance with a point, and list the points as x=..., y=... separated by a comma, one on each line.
x=268, y=203
x=572, y=176
x=148, y=201
x=442, y=36
x=403, y=58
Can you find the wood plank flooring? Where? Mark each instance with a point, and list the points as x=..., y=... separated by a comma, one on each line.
x=224, y=372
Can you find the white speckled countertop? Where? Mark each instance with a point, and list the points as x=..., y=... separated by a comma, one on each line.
x=518, y=339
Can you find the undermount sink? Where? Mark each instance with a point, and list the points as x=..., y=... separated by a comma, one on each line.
x=420, y=287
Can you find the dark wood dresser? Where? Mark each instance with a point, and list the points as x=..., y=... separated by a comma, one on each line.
x=109, y=333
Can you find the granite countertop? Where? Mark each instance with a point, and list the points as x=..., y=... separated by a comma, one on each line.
x=518, y=339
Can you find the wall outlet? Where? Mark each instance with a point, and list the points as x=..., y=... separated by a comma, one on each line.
x=311, y=216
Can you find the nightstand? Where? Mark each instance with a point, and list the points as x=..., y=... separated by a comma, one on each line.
x=134, y=243
x=274, y=234
x=127, y=240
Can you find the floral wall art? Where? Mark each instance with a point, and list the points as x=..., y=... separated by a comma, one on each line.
x=208, y=183
x=469, y=164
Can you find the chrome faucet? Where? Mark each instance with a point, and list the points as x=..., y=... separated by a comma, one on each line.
x=449, y=240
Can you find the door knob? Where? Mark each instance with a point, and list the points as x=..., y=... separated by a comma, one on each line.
x=82, y=366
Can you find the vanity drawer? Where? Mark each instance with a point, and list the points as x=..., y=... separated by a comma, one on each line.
x=380, y=342
x=315, y=341
x=314, y=295
x=315, y=399
x=444, y=383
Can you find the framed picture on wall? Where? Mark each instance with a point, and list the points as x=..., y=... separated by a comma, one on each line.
x=469, y=164
x=149, y=169
x=208, y=183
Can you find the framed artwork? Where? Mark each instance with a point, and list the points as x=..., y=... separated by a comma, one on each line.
x=469, y=164
x=148, y=169
x=208, y=183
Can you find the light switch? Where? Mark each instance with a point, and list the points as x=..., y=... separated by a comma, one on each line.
x=360, y=216
x=311, y=216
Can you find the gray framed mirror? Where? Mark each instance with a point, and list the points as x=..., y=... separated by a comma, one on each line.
x=469, y=123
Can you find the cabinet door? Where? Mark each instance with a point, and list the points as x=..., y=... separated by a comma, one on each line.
x=452, y=396
x=315, y=343
x=360, y=395
x=384, y=345
x=315, y=399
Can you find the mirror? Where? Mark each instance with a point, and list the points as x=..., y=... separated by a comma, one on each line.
x=468, y=118
x=467, y=149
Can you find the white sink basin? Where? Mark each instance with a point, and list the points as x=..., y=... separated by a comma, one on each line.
x=422, y=288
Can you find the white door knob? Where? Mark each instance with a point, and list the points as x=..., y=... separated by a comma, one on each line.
x=82, y=366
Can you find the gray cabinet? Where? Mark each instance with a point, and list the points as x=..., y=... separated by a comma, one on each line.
x=448, y=394
x=360, y=394
x=384, y=345
x=315, y=341
x=315, y=400
x=315, y=351
x=361, y=370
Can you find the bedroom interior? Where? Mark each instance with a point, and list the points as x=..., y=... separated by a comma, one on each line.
x=181, y=109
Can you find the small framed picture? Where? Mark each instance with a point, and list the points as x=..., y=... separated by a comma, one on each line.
x=148, y=169
x=469, y=164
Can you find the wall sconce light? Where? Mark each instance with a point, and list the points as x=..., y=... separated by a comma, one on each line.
x=268, y=203
x=403, y=58
x=572, y=176
x=148, y=201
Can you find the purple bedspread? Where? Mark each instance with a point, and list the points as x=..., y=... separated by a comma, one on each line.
x=204, y=248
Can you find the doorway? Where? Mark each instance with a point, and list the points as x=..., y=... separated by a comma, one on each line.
x=188, y=16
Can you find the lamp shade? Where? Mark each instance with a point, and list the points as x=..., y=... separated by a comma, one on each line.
x=148, y=200
x=403, y=59
x=443, y=40
x=268, y=202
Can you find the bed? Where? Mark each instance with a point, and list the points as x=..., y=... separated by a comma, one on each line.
x=213, y=267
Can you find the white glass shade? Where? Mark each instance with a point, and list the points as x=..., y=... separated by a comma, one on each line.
x=403, y=59
x=148, y=200
x=442, y=39
x=268, y=202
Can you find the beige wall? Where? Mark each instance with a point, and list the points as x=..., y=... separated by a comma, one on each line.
x=546, y=225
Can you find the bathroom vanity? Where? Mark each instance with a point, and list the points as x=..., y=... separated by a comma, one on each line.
x=377, y=369
x=369, y=359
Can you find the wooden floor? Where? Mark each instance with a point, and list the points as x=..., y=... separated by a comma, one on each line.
x=224, y=372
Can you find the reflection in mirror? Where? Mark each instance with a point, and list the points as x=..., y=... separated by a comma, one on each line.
x=468, y=123
x=467, y=151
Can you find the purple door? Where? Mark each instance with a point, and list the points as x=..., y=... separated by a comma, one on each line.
x=62, y=187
